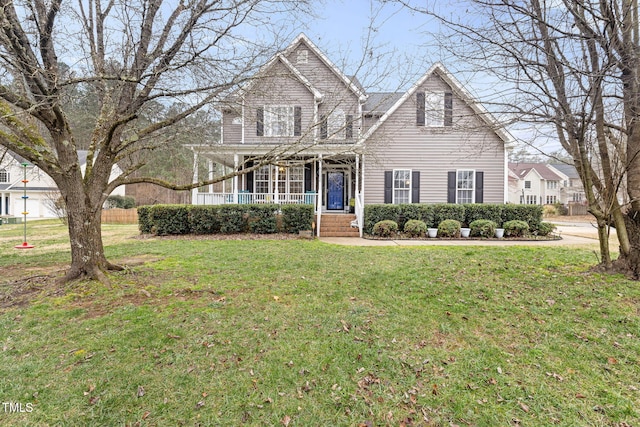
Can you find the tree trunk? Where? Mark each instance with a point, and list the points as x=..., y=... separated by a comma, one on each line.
x=87, y=254
x=631, y=263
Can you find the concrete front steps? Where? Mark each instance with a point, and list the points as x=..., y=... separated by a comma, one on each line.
x=337, y=225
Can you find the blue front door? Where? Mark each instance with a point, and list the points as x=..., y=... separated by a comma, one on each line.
x=335, y=190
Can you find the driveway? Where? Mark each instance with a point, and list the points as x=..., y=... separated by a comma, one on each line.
x=574, y=231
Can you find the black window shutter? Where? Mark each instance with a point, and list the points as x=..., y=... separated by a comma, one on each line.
x=260, y=121
x=307, y=177
x=451, y=187
x=415, y=187
x=388, y=186
x=297, y=121
x=479, y=187
x=249, y=177
x=349, y=127
x=323, y=127
x=420, y=100
x=448, y=109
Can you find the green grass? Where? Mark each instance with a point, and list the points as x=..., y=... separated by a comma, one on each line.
x=304, y=333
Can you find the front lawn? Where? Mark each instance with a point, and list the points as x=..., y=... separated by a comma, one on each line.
x=303, y=333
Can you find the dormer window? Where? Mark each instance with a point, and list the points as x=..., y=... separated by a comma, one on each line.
x=303, y=56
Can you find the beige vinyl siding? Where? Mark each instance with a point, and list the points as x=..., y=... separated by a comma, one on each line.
x=232, y=133
x=400, y=144
x=279, y=88
x=335, y=92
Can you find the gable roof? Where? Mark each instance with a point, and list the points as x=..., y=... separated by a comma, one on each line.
x=522, y=169
x=350, y=82
x=457, y=87
x=569, y=170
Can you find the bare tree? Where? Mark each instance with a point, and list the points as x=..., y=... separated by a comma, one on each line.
x=571, y=69
x=134, y=55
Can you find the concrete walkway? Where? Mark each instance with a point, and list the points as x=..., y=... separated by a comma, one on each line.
x=572, y=233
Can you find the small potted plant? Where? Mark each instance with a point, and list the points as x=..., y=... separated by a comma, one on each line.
x=352, y=205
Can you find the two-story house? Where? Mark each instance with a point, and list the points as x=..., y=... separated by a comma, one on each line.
x=305, y=132
x=546, y=184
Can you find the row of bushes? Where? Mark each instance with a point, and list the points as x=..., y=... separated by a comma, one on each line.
x=451, y=228
x=433, y=214
x=224, y=219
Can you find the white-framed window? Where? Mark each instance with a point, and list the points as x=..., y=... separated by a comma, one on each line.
x=552, y=185
x=531, y=199
x=577, y=197
x=289, y=178
x=302, y=57
x=527, y=184
x=551, y=200
x=336, y=124
x=4, y=176
x=261, y=179
x=465, y=184
x=401, y=186
x=278, y=120
x=434, y=109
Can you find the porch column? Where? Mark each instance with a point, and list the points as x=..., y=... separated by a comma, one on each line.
x=319, y=197
x=210, y=166
x=236, y=162
x=276, y=189
x=194, y=191
x=357, y=174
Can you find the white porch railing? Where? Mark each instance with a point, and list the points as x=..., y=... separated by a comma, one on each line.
x=248, y=198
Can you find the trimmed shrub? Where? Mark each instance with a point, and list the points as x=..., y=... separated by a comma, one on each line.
x=492, y=212
x=418, y=211
x=444, y=211
x=449, y=228
x=234, y=218
x=373, y=214
x=296, y=218
x=144, y=219
x=170, y=219
x=415, y=228
x=262, y=219
x=516, y=228
x=482, y=228
x=531, y=214
x=545, y=228
x=385, y=228
x=204, y=219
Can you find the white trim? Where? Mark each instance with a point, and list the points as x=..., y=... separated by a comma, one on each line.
x=473, y=185
x=393, y=185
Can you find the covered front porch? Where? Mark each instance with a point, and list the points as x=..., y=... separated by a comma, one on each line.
x=333, y=185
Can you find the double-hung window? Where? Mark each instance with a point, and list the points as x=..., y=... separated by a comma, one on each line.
x=278, y=120
x=4, y=175
x=465, y=186
x=401, y=186
x=434, y=109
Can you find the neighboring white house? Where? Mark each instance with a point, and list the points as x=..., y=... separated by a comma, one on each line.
x=541, y=184
x=42, y=192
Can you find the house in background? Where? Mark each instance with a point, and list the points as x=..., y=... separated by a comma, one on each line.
x=572, y=189
x=42, y=191
x=542, y=184
x=308, y=133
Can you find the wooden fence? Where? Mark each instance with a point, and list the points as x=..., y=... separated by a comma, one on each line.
x=119, y=216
